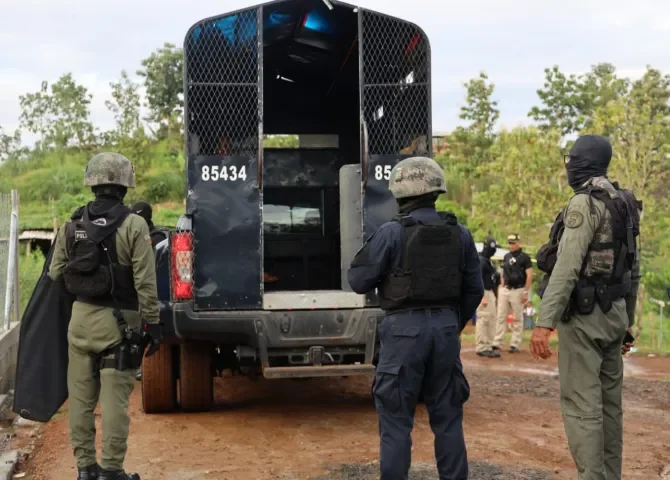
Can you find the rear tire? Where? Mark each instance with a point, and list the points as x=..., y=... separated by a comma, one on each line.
x=196, y=376
x=159, y=385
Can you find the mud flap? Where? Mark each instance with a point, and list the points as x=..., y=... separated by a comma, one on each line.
x=41, y=371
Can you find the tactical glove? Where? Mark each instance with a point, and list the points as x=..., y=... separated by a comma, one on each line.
x=153, y=333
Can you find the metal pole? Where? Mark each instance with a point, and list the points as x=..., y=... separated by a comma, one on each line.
x=17, y=296
x=11, y=264
x=660, y=326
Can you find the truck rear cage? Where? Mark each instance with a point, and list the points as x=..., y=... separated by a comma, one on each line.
x=295, y=67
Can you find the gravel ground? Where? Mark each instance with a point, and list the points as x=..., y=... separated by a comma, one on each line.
x=426, y=471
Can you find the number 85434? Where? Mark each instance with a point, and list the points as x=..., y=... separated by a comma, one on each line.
x=227, y=173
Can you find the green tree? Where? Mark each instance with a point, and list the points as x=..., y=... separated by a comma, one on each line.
x=570, y=101
x=530, y=186
x=10, y=144
x=468, y=147
x=125, y=105
x=639, y=128
x=59, y=114
x=36, y=113
x=129, y=135
x=480, y=109
x=163, y=73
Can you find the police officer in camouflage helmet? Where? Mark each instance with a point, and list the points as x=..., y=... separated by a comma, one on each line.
x=426, y=269
x=103, y=252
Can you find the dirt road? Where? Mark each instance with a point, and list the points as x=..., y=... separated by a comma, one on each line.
x=326, y=429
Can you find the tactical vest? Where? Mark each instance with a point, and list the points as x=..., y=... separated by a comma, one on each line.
x=604, y=276
x=430, y=273
x=93, y=272
x=489, y=276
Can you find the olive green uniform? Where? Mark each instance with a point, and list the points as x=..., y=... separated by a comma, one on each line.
x=590, y=360
x=94, y=329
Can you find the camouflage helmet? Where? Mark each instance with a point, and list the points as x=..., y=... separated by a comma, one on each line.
x=109, y=169
x=416, y=176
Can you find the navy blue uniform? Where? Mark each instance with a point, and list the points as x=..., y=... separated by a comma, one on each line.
x=420, y=352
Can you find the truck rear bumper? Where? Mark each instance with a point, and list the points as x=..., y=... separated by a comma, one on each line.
x=311, y=334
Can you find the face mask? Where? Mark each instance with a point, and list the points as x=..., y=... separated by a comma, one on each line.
x=489, y=248
x=589, y=157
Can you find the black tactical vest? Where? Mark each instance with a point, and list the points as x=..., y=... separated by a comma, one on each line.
x=430, y=272
x=604, y=273
x=93, y=272
x=489, y=276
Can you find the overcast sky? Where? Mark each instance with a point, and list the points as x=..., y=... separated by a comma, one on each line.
x=511, y=40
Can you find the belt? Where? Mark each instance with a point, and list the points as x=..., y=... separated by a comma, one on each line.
x=509, y=287
x=419, y=309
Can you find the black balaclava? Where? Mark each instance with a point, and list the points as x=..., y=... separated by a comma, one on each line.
x=489, y=248
x=406, y=205
x=108, y=203
x=143, y=209
x=106, y=197
x=589, y=157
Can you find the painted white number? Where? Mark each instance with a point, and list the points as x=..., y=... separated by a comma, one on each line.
x=226, y=173
x=383, y=172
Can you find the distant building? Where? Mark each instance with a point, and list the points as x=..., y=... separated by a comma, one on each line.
x=439, y=142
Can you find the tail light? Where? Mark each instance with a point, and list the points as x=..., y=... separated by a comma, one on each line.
x=181, y=246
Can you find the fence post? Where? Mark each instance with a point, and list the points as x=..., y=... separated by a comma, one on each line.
x=12, y=273
x=17, y=283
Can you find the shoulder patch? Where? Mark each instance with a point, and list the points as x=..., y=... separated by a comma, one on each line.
x=147, y=239
x=574, y=219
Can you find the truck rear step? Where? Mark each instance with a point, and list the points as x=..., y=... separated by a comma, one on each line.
x=317, y=371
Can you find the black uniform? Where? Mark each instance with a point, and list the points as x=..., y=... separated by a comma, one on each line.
x=420, y=345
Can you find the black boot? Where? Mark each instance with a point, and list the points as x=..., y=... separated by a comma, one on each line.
x=117, y=475
x=91, y=472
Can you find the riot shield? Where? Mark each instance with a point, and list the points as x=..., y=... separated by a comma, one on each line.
x=41, y=371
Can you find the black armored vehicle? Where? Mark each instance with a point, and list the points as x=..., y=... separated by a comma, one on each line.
x=253, y=278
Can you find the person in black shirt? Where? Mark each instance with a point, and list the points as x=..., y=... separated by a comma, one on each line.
x=513, y=294
x=485, y=328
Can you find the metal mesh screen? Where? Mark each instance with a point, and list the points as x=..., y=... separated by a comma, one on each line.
x=5, y=222
x=222, y=85
x=396, y=86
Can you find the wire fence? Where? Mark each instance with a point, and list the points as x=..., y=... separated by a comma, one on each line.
x=9, y=264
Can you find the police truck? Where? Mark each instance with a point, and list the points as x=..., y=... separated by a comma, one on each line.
x=295, y=112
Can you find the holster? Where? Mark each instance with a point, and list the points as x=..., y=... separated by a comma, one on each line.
x=127, y=355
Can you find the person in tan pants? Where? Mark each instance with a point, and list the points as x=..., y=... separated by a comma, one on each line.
x=513, y=293
x=485, y=328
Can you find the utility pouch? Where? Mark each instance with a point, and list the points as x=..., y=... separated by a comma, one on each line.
x=604, y=298
x=584, y=299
